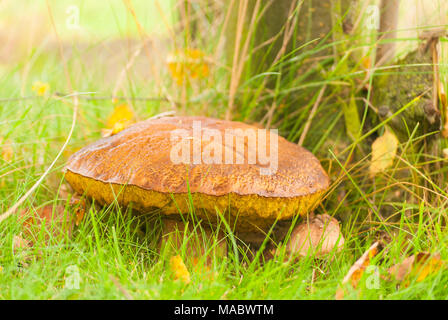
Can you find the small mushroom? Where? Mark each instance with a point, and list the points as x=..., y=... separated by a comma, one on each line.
x=318, y=236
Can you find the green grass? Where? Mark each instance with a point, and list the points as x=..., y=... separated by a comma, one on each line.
x=116, y=250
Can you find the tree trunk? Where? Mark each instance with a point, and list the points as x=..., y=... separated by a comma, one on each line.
x=388, y=30
x=261, y=34
x=416, y=76
x=281, y=26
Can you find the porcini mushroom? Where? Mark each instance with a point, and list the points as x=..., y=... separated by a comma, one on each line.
x=219, y=165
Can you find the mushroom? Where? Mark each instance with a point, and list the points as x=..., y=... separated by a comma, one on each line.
x=318, y=236
x=228, y=170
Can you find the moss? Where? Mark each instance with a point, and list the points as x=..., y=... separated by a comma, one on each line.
x=396, y=88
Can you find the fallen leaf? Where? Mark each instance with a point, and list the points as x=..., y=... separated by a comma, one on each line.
x=20, y=247
x=418, y=266
x=6, y=151
x=179, y=270
x=366, y=62
x=186, y=64
x=121, y=118
x=54, y=221
x=384, y=149
x=18, y=243
x=80, y=205
x=40, y=88
x=356, y=271
x=318, y=236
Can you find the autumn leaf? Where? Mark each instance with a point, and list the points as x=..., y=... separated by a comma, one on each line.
x=319, y=236
x=366, y=62
x=384, y=150
x=418, y=266
x=80, y=207
x=6, y=150
x=356, y=272
x=187, y=64
x=121, y=118
x=20, y=243
x=54, y=220
x=20, y=248
x=179, y=270
x=40, y=88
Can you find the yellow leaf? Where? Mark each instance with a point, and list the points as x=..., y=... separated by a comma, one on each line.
x=356, y=271
x=179, y=269
x=366, y=62
x=40, y=88
x=384, y=150
x=6, y=150
x=121, y=118
x=187, y=64
x=418, y=266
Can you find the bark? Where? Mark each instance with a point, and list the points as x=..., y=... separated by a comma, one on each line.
x=389, y=10
x=282, y=26
x=280, y=30
x=416, y=75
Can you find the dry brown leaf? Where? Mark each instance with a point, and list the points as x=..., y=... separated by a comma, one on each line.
x=18, y=243
x=81, y=207
x=179, y=270
x=55, y=221
x=384, y=149
x=418, y=266
x=319, y=236
x=356, y=272
x=20, y=247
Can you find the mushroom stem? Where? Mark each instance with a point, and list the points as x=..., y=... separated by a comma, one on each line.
x=198, y=240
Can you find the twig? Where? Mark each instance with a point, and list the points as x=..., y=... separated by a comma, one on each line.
x=14, y=208
x=92, y=98
x=19, y=98
x=113, y=97
x=312, y=113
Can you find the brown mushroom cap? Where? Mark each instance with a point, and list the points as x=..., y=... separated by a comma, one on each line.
x=134, y=166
